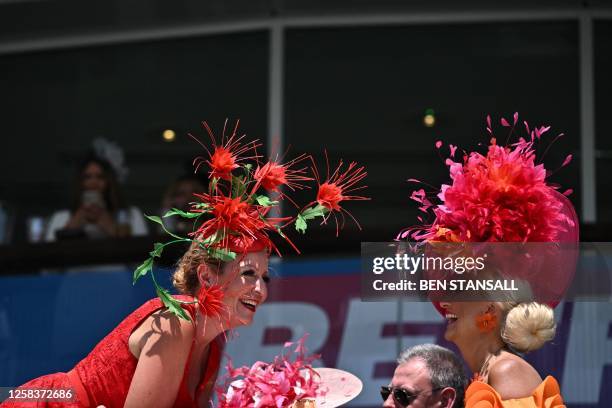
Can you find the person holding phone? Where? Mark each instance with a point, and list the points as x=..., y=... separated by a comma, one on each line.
x=98, y=210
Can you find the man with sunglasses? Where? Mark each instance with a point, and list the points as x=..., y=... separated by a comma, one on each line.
x=427, y=376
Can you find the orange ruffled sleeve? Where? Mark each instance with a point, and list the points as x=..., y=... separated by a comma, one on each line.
x=482, y=395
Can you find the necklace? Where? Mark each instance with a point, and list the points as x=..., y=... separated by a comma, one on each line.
x=484, y=370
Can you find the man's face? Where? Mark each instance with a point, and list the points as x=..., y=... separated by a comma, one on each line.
x=413, y=376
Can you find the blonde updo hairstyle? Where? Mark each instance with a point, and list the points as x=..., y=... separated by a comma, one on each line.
x=185, y=277
x=526, y=326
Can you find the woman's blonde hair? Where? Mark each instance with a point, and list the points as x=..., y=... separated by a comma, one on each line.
x=185, y=277
x=527, y=326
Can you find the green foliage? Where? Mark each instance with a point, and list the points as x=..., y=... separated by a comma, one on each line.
x=184, y=214
x=310, y=213
x=300, y=224
x=171, y=303
x=155, y=219
x=238, y=186
x=157, y=250
x=224, y=255
x=265, y=201
x=143, y=269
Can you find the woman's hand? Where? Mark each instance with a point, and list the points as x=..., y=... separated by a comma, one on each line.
x=164, y=343
x=105, y=221
x=93, y=214
x=78, y=218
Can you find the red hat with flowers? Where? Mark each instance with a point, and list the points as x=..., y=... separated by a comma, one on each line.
x=502, y=195
x=233, y=216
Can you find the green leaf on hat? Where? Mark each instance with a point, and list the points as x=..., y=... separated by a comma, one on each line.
x=171, y=303
x=200, y=206
x=238, y=186
x=159, y=221
x=224, y=255
x=143, y=269
x=313, y=212
x=184, y=214
x=157, y=250
x=213, y=184
x=300, y=224
x=309, y=214
x=265, y=201
x=155, y=218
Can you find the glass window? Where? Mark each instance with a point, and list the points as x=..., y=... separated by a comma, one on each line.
x=363, y=92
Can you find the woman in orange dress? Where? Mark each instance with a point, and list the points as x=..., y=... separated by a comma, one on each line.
x=490, y=336
x=503, y=196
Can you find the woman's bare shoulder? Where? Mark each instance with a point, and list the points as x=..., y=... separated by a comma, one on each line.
x=163, y=327
x=513, y=377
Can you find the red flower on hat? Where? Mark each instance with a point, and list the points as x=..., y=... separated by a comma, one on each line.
x=338, y=187
x=329, y=196
x=210, y=300
x=222, y=162
x=231, y=217
x=226, y=155
x=335, y=189
x=233, y=220
x=272, y=175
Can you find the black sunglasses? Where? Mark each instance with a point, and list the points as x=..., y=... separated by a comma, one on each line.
x=400, y=395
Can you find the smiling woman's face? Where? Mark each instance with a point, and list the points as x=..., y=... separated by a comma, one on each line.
x=461, y=320
x=246, y=286
x=93, y=178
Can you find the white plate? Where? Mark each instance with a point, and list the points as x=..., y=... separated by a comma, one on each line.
x=341, y=387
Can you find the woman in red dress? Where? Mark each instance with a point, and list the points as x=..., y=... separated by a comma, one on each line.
x=167, y=352
x=155, y=358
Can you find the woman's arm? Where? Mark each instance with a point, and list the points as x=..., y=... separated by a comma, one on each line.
x=165, y=344
x=58, y=220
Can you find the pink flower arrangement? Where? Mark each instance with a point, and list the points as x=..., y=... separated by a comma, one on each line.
x=502, y=196
x=277, y=384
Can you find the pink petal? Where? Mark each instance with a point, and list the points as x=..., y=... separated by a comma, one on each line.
x=568, y=192
x=453, y=149
x=504, y=122
x=418, y=195
x=567, y=160
x=411, y=180
x=438, y=144
x=544, y=129
x=489, y=122
x=515, y=117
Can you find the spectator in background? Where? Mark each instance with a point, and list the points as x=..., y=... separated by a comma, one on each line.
x=180, y=195
x=98, y=210
x=427, y=375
